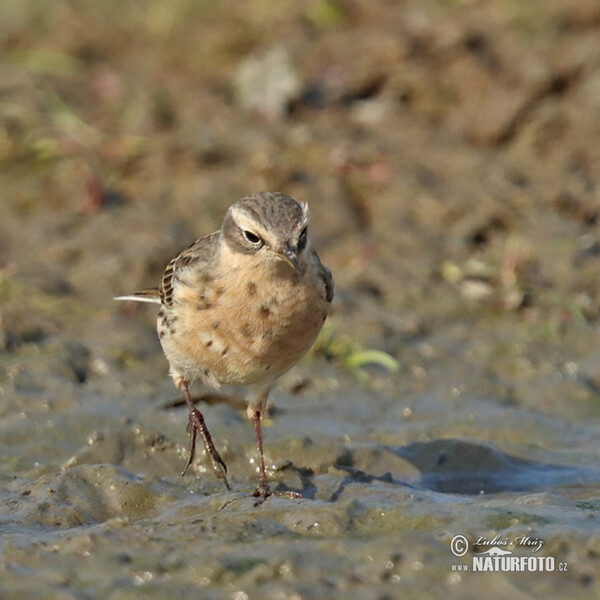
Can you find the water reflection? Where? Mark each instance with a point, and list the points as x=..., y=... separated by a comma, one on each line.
x=460, y=467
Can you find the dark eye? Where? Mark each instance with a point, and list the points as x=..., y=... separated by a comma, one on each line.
x=302, y=240
x=251, y=238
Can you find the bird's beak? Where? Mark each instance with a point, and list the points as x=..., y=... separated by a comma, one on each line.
x=288, y=254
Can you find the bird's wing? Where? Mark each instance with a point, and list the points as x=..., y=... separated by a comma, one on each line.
x=326, y=278
x=194, y=267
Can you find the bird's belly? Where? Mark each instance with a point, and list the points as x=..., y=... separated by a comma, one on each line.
x=248, y=342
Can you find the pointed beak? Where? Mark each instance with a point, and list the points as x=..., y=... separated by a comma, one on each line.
x=288, y=254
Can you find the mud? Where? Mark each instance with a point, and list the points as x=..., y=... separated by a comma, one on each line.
x=448, y=151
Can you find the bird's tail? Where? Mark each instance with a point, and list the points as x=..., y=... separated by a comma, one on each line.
x=149, y=295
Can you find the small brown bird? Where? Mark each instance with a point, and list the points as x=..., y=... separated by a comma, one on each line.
x=241, y=306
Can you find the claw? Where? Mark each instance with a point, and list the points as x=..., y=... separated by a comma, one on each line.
x=262, y=493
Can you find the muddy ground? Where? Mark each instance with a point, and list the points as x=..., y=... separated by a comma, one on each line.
x=449, y=153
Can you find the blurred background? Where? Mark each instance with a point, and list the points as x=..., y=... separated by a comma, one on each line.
x=447, y=150
x=449, y=154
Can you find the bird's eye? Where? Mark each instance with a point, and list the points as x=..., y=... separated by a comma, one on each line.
x=302, y=239
x=251, y=238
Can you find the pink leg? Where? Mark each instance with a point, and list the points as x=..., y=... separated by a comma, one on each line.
x=263, y=484
x=196, y=424
x=263, y=491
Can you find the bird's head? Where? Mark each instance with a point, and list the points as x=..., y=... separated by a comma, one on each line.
x=270, y=224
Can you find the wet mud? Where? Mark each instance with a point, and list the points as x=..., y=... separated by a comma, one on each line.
x=448, y=151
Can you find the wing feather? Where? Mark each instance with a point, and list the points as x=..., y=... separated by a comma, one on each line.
x=200, y=255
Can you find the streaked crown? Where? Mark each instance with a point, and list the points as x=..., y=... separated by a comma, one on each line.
x=269, y=221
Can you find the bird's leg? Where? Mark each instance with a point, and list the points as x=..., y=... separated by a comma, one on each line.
x=263, y=490
x=255, y=411
x=196, y=424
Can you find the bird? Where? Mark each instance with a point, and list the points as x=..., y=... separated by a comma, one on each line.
x=240, y=307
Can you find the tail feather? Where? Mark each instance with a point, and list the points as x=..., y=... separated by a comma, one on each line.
x=150, y=295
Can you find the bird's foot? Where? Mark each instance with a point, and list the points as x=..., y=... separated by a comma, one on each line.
x=196, y=424
x=263, y=491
